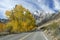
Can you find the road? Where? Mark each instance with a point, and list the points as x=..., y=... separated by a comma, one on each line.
x=39, y=35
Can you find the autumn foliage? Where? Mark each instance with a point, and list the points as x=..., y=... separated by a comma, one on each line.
x=21, y=20
x=2, y=27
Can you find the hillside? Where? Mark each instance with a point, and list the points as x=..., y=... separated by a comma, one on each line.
x=46, y=17
x=55, y=16
x=52, y=27
x=41, y=17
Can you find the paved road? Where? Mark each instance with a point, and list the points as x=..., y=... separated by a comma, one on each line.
x=26, y=36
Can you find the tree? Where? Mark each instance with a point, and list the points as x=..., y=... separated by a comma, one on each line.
x=2, y=27
x=21, y=20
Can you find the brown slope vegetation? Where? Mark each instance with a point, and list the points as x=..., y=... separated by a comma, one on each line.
x=52, y=28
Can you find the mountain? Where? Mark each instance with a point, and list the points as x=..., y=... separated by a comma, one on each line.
x=52, y=27
x=42, y=17
x=3, y=20
x=56, y=16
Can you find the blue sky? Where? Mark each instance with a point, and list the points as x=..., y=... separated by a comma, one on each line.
x=47, y=5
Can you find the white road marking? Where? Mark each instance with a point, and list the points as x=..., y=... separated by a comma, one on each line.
x=25, y=36
x=45, y=36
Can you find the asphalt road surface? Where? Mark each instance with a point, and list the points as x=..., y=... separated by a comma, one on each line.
x=39, y=35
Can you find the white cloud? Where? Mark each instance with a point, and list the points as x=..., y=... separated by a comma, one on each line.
x=4, y=5
x=56, y=4
x=9, y=4
x=45, y=7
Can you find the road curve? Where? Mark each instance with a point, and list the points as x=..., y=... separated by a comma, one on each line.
x=39, y=35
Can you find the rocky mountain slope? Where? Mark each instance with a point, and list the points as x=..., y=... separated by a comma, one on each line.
x=41, y=17
x=52, y=27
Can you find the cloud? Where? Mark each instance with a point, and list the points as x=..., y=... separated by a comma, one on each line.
x=33, y=5
x=47, y=9
x=45, y=6
x=56, y=4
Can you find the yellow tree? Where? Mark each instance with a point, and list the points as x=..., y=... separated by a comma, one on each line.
x=2, y=27
x=21, y=20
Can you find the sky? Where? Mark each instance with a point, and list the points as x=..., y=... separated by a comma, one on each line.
x=49, y=6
